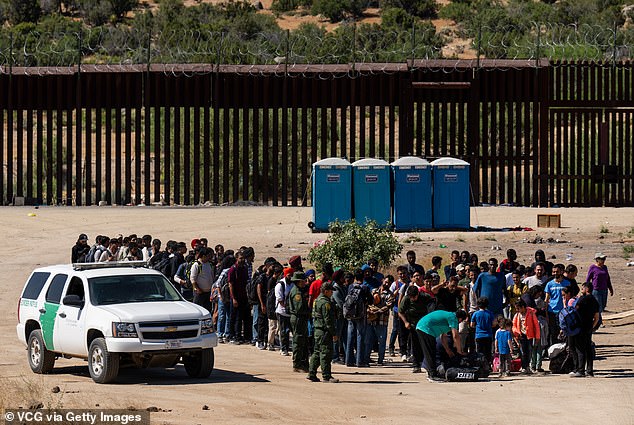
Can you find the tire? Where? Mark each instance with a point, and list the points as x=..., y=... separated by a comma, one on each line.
x=40, y=359
x=199, y=364
x=102, y=364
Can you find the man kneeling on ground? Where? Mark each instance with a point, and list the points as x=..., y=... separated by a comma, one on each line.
x=437, y=324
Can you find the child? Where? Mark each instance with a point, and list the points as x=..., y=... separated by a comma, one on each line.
x=526, y=331
x=483, y=322
x=504, y=345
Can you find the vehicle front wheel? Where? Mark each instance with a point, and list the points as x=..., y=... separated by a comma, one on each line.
x=40, y=359
x=102, y=364
x=199, y=364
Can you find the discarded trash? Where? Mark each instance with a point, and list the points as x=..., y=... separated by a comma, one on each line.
x=32, y=215
x=442, y=245
x=630, y=264
x=569, y=257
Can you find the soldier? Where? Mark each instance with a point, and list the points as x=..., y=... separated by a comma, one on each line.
x=325, y=334
x=300, y=313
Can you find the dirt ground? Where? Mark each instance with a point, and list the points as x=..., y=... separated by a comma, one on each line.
x=250, y=386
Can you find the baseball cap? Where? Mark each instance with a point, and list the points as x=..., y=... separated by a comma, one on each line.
x=460, y=267
x=83, y=237
x=600, y=255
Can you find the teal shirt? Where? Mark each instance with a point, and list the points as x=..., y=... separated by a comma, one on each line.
x=437, y=323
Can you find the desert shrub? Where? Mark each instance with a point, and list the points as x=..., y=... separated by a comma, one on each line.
x=350, y=245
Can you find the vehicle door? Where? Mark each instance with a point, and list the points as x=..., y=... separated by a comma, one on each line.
x=48, y=314
x=71, y=321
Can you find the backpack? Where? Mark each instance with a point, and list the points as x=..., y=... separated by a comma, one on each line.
x=353, y=304
x=90, y=256
x=570, y=321
x=252, y=288
x=188, y=273
x=162, y=263
x=271, y=303
x=223, y=285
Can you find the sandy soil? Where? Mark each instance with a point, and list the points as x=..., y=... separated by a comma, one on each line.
x=249, y=386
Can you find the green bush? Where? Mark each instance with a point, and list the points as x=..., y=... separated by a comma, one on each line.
x=350, y=245
x=420, y=8
x=334, y=10
x=24, y=11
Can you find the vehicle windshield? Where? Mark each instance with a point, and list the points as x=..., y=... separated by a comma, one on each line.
x=131, y=289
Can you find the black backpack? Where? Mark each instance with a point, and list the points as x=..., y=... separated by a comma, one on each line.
x=271, y=303
x=252, y=288
x=162, y=263
x=353, y=305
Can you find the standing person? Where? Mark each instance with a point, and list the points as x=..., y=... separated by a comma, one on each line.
x=241, y=321
x=376, y=274
x=110, y=254
x=588, y=308
x=262, y=292
x=539, y=278
x=571, y=276
x=450, y=269
x=300, y=312
x=450, y=295
x=526, y=332
x=282, y=289
x=600, y=278
x=492, y=285
x=271, y=304
x=202, y=277
x=411, y=310
x=325, y=334
x=249, y=258
x=146, y=247
x=80, y=250
x=296, y=263
x=540, y=257
x=378, y=319
x=437, y=324
x=225, y=332
x=397, y=324
x=555, y=301
x=516, y=290
x=504, y=346
x=508, y=265
x=411, y=265
x=356, y=304
x=436, y=263
x=483, y=321
x=338, y=298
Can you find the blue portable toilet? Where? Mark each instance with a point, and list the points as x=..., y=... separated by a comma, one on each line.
x=371, y=189
x=332, y=192
x=451, y=193
x=412, y=194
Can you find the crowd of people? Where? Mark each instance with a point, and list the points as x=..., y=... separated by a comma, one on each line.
x=499, y=310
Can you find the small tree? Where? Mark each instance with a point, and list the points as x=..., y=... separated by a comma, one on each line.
x=350, y=245
x=24, y=11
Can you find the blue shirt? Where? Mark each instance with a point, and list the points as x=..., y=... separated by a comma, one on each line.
x=502, y=336
x=553, y=288
x=483, y=320
x=491, y=286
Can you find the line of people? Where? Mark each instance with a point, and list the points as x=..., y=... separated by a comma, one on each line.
x=343, y=316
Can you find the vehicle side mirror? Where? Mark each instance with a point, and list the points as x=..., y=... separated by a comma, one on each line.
x=73, y=300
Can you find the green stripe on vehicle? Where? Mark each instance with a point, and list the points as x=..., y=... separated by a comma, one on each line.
x=47, y=321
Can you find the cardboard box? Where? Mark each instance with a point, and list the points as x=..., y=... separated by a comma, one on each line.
x=549, y=220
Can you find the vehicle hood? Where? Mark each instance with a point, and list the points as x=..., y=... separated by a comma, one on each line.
x=155, y=311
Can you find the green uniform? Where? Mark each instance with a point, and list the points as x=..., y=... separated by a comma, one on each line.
x=300, y=313
x=324, y=311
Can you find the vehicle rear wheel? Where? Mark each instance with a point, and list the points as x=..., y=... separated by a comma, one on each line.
x=40, y=359
x=102, y=364
x=199, y=364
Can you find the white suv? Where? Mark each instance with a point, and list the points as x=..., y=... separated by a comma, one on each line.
x=114, y=315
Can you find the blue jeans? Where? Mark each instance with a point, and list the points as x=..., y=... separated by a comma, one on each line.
x=356, y=332
x=224, y=318
x=601, y=296
x=375, y=333
x=255, y=311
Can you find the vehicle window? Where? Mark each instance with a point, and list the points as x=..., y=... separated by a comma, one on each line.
x=54, y=293
x=35, y=285
x=76, y=287
x=130, y=289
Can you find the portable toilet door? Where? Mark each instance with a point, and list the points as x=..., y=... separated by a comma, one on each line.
x=371, y=191
x=451, y=193
x=412, y=194
x=332, y=192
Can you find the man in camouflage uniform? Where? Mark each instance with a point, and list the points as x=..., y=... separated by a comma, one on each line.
x=324, y=318
x=300, y=313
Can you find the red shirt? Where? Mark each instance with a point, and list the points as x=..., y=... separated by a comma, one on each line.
x=314, y=290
